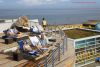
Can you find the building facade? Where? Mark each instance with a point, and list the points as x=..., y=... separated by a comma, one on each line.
x=87, y=48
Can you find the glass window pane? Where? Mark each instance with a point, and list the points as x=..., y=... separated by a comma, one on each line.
x=89, y=40
x=80, y=44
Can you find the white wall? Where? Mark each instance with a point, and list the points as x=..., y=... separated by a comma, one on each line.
x=4, y=26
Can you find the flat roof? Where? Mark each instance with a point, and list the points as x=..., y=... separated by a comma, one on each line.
x=80, y=33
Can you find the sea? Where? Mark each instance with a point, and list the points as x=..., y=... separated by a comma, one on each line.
x=54, y=16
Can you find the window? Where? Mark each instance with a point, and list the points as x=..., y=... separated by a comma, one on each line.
x=80, y=44
x=90, y=42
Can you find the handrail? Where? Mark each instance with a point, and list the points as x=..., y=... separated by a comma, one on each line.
x=55, y=54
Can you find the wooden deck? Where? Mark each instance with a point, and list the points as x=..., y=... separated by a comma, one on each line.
x=6, y=59
x=67, y=60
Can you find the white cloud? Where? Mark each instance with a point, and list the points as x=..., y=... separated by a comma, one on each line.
x=39, y=2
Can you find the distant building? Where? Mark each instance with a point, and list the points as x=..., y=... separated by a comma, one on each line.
x=86, y=44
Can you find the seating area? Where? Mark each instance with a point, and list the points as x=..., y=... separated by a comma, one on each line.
x=25, y=53
x=36, y=53
x=22, y=35
x=33, y=44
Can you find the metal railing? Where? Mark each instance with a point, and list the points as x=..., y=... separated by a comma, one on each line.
x=55, y=54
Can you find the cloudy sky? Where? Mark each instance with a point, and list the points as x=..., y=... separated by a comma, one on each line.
x=48, y=3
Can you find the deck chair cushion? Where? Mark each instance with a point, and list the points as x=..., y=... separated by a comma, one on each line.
x=34, y=40
x=20, y=43
x=33, y=52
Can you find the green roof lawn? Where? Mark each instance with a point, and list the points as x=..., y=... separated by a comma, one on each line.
x=79, y=33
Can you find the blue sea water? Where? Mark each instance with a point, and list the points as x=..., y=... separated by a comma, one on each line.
x=53, y=16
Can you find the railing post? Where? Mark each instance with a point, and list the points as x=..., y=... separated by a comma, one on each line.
x=65, y=42
x=58, y=52
x=52, y=58
x=63, y=45
x=45, y=62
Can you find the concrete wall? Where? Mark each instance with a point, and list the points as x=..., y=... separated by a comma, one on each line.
x=70, y=45
x=71, y=52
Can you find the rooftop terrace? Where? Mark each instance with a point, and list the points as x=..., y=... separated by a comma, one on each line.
x=80, y=33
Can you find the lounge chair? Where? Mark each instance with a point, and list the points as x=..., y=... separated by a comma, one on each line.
x=31, y=54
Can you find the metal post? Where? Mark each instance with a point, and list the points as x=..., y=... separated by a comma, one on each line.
x=58, y=52
x=52, y=58
x=63, y=47
x=65, y=42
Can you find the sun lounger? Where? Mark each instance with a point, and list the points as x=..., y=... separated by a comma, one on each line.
x=31, y=54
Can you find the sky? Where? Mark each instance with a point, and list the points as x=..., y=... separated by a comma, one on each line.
x=49, y=4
